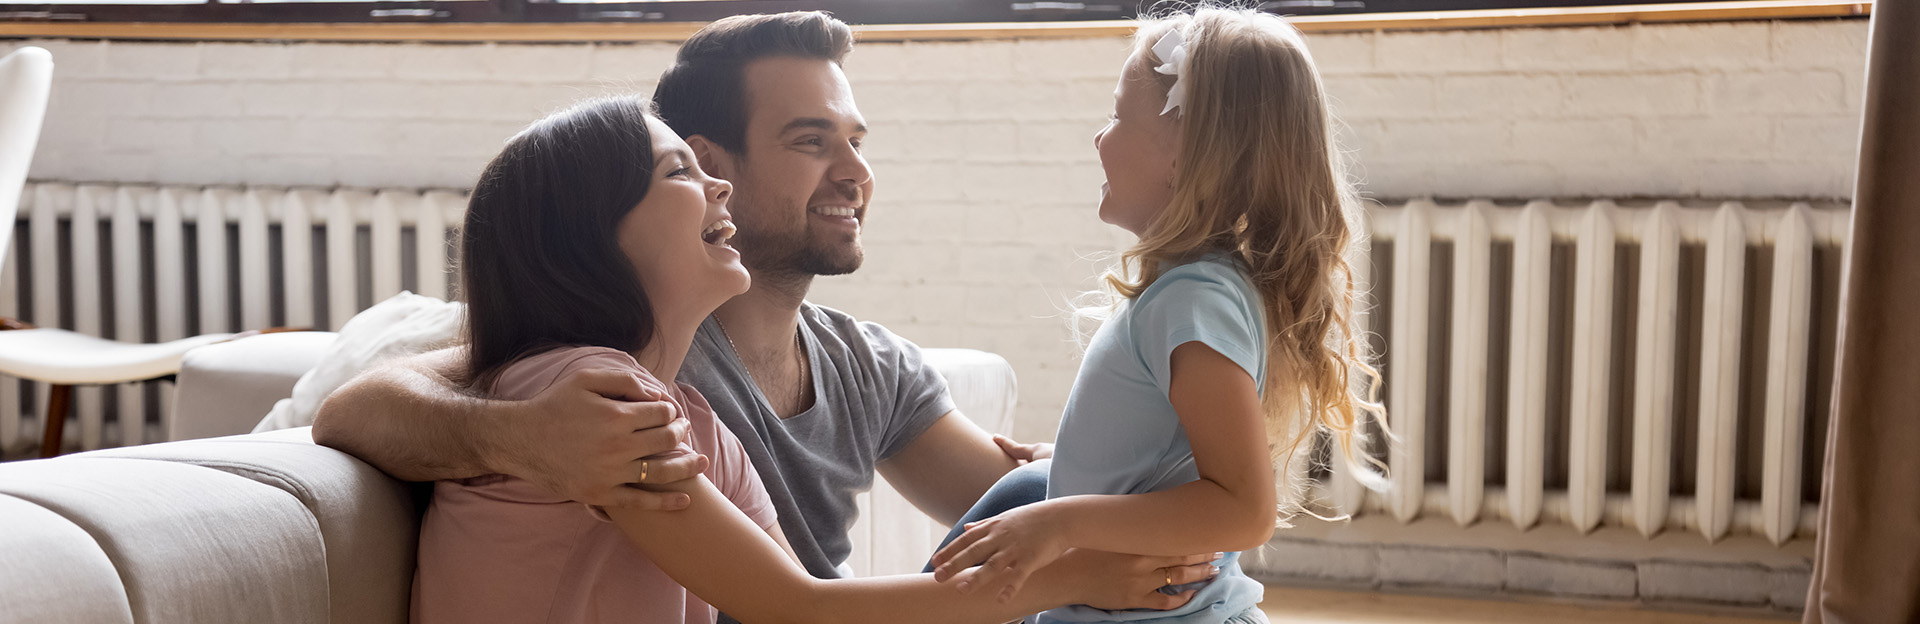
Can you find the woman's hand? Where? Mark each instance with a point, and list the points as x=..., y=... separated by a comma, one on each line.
x=1118, y=582
x=1008, y=548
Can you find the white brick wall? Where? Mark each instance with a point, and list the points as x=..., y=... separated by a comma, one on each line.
x=983, y=227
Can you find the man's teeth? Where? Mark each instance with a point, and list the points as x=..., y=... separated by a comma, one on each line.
x=834, y=211
x=718, y=233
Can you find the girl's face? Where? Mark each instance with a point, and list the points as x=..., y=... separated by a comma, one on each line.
x=676, y=237
x=1136, y=150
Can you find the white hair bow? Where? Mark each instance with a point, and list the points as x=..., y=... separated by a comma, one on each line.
x=1172, y=50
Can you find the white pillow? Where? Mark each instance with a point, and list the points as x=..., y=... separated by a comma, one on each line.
x=403, y=325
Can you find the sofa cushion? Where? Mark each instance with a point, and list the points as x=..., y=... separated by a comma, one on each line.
x=366, y=518
x=403, y=325
x=53, y=572
x=191, y=544
x=226, y=388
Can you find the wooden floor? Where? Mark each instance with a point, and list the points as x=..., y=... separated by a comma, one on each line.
x=1312, y=606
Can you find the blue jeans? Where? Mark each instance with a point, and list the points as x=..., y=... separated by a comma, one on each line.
x=1024, y=485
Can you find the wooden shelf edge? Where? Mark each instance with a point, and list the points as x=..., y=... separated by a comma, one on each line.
x=1589, y=16
x=678, y=31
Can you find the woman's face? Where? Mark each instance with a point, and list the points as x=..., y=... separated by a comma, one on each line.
x=676, y=237
x=1136, y=150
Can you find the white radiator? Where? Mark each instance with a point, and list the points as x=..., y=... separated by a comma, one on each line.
x=1562, y=325
x=1540, y=313
x=139, y=263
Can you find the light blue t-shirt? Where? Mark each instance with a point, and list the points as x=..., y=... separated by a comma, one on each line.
x=1120, y=435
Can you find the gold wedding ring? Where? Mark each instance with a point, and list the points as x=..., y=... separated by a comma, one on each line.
x=1169, y=574
x=643, y=470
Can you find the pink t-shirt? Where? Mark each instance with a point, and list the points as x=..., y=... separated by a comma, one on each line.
x=497, y=548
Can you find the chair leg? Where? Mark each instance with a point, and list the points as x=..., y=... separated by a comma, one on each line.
x=57, y=400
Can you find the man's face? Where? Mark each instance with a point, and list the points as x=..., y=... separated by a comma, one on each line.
x=800, y=186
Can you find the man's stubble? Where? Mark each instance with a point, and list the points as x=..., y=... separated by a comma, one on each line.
x=777, y=240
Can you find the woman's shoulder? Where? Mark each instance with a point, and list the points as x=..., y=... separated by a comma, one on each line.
x=529, y=375
x=709, y=434
x=692, y=397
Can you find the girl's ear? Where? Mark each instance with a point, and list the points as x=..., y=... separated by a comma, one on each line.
x=713, y=159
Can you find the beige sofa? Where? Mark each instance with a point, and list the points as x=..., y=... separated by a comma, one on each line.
x=270, y=527
x=256, y=528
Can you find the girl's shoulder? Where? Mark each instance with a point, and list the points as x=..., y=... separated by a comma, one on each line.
x=1214, y=276
x=1212, y=294
x=531, y=374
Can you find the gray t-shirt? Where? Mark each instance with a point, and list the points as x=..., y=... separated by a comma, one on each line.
x=873, y=395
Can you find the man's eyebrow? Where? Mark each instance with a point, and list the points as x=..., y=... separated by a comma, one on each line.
x=818, y=123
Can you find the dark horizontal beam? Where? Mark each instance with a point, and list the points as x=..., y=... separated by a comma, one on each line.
x=852, y=11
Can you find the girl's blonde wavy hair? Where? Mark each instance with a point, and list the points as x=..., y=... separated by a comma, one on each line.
x=1259, y=178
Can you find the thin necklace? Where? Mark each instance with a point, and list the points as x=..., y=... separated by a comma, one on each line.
x=799, y=347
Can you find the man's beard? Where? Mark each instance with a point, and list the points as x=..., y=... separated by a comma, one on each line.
x=794, y=251
x=806, y=256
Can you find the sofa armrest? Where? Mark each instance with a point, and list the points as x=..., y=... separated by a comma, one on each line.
x=982, y=385
x=891, y=536
x=366, y=521
x=226, y=388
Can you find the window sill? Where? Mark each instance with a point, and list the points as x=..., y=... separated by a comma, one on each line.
x=678, y=31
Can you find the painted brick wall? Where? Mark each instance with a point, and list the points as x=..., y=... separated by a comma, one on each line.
x=983, y=226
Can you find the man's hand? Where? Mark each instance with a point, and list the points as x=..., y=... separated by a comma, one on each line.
x=586, y=438
x=1114, y=581
x=1023, y=453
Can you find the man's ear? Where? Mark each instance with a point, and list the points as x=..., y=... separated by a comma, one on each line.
x=716, y=161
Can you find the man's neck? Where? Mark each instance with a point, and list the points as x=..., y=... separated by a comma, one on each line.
x=763, y=327
x=762, y=322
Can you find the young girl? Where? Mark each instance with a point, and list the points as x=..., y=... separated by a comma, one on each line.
x=594, y=245
x=1233, y=340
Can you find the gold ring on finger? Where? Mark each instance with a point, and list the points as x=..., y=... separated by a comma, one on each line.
x=1169, y=574
x=643, y=470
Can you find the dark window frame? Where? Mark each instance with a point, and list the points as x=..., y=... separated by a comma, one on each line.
x=853, y=11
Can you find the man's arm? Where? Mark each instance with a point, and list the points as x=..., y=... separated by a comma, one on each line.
x=582, y=438
x=947, y=468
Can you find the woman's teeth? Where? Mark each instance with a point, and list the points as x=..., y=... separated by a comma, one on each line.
x=718, y=233
x=834, y=211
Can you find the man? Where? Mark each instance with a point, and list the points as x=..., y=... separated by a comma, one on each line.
x=819, y=400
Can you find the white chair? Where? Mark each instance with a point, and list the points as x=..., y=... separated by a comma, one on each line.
x=57, y=357
x=26, y=76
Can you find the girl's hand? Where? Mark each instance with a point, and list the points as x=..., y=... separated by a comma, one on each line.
x=1008, y=548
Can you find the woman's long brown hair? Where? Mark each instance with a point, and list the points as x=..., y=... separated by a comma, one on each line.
x=540, y=261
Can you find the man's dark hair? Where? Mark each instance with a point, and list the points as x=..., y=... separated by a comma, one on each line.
x=540, y=258
x=705, y=93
